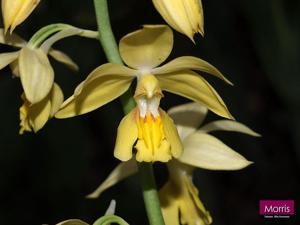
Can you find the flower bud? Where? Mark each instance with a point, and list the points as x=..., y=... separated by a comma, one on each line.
x=185, y=16
x=16, y=11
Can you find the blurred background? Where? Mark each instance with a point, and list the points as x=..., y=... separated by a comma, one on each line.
x=44, y=177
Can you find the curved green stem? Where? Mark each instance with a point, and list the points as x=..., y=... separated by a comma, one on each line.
x=43, y=33
x=110, y=48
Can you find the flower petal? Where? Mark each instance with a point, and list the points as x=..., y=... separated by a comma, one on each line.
x=192, y=86
x=63, y=58
x=122, y=171
x=205, y=151
x=190, y=63
x=104, y=84
x=72, y=222
x=171, y=134
x=36, y=74
x=39, y=114
x=148, y=47
x=56, y=98
x=126, y=136
x=11, y=39
x=7, y=58
x=228, y=125
x=188, y=117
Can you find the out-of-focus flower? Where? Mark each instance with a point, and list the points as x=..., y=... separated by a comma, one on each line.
x=143, y=51
x=108, y=218
x=41, y=96
x=16, y=11
x=179, y=196
x=185, y=16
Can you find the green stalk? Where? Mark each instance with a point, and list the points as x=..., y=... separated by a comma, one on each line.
x=110, y=48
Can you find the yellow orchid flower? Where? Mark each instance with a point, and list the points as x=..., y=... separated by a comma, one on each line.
x=143, y=51
x=185, y=16
x=179, y=197
x=41, y=95
x=201, y=150
x=16, y=11
x=32, y=65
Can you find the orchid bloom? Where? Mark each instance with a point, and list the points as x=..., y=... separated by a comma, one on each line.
x=143, y=51
x=41, y=97
x=179, y=197
x=185, y=16
x=16, y=11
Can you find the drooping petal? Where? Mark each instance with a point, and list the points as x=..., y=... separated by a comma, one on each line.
x=148, y=47
x=11, y=39
x=171, y=134
x=190, y=63
x=192, y=86
x=36, y=74
x=39, y=114
x=188, y=117
x=103, y=85
x=205, y=151
x=7, y=58
x=184, y=16
x=180, y=202
x=111, y=208
x=126, y=136
x=228, y=125
x=122, y=171
x=16, y=11
x=63, y=58
x=56, y=99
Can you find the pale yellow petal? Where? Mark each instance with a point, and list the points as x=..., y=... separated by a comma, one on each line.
x=203, y=215
x=39, y=114
x=103, y=85
x=172, y=135
x=190, y=63
x=56, y=99
x=228, y=125
x=14, y=67
x=7, y=58
x=63, y=58
x=188, y=117
x=169, y=204
x=122, y=171
x=16, y=11
x=192, y=86
x=126, y=136
x=11, y=39
x=205, y=151
x=148, y=47
x=111, y=208
x=36, y=74
x=72, y=222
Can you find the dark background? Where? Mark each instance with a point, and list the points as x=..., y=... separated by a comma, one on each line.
x=44, y=177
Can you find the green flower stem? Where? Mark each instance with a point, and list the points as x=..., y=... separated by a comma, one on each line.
x=110, y=48
x=150, y=194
